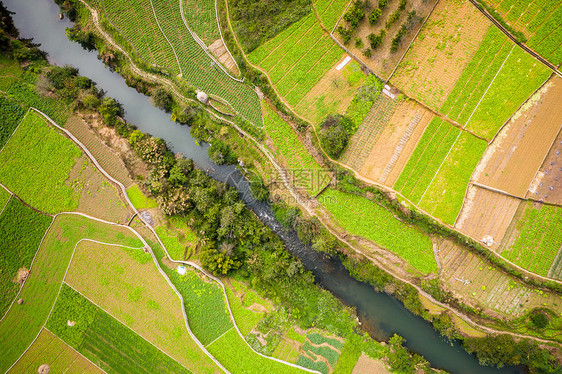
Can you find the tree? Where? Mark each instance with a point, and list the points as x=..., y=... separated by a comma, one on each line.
x=355, y=13
x=539, y=319
x=374, y=16
x=345, y=34
x=333, y=135
x=376, y=39
x=163, y=99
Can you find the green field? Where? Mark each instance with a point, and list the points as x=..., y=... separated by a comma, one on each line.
x=4, y=198
x=141, y=30
x=23, y=322
x=540, y=238
x=11, y=114
x=362, y=217
x=104, y=340
x=245, y=318
x=35, y=165
x=297, y=58
x=539, y=20
x=437, y=174
x=486, y=94
x=21, y=230
x=291, y=150
x=316, y=347
x=330, y=11
x=139, y=200
x=201, y=16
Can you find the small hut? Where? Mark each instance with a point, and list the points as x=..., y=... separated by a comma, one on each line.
x=203, y=97
x=182, y=270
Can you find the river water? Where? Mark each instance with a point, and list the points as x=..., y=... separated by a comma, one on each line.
x=382, y=315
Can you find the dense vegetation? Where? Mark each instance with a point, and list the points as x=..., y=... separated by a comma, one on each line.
x=11, y=113
x=21, y=230
x=256, y=21
x=334, y=135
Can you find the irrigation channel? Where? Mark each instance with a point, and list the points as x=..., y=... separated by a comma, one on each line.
x=380, y=314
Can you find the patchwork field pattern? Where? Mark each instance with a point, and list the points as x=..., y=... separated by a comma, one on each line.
x=179, y=51
x=297, y=58
x=480, y=283
x=539, y=20
x=201, y=16
x=104, y=340
x=486, y=214
x=536, y=237
x=320, y=353
x=486, y=94
x=40, y=176
x=61, y=358
x=443, y=48
x=512, y=160
x=362, y=217
x=437, y=174
x=109, y=276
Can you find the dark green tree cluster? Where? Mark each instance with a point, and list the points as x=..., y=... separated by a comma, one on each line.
x=355, y=13
x=376, y=39
x=18, y=48
x=333, y=134
x=410, y=22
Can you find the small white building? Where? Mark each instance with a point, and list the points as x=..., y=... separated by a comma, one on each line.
x=182, y=270
x=203, y=97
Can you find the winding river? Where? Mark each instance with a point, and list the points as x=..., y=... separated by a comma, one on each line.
x=381, y=314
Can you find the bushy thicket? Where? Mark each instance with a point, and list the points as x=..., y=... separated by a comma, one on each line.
x=333, y=134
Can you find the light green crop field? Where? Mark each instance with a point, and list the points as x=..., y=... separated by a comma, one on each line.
x=35, y=164
x=245, y=317
x=11, y=114
x=201, y=16
x=297, y=58
x=175, y=48
x=486, y=94
x=139, y=200
x=539, y=20
x=437, y=174
x=362, y=217
x=4, y=197
x=104, y=340
x=540, y=238
x=22, y=323
x=21, y=230
x=291, y=150
x=330, y=11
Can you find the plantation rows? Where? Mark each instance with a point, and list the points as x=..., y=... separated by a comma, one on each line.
x=195, y=65
x=201, y=16
x=486, y=94
x=104, y=340
x=297, y=58
x=314, y=348
x=11, y=113
x=539, y=240
x=293, y=151
x=439, y=170
x=362, y=217
x=330, y=11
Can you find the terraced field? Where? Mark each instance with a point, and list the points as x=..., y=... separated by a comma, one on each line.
x=437, y=174
x=539, y=20
x=201, y=16
x=168, y=43
x=297, y=58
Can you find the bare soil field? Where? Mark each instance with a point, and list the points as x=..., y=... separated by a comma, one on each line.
x=479, y=284
x=367, y=365
x=383, y=60
x=218, y=49
x=137, y=294
x=511, y=162
x=486, y=215
x=442, y=50
x=398, y=140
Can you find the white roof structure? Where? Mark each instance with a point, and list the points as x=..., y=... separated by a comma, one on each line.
x=182, y=270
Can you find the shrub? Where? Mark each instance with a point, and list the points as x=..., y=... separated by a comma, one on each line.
x=374, y=16
x=163, y=99
x=539, y=319
x=345, y=34
x=358, y=43
x=355, y=13
x=333, y=135
x=367, y=52
x=376, y=39
x=383, y=4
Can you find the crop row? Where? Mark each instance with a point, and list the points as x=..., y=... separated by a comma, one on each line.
x=292, y=150
x=362, y=217
x=21, y=230
x=547, y=40
x=201, y=16
x=195, y=65
x=328, y=353
x=39, y=176
x=314, y=365
x=539, y=240
x=11, y=114
x=330, y=11
x=319, y=339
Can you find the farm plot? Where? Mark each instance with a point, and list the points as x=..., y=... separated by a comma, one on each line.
x=364, y=218
x=103, y=339
x=21, y=230
x=11, y=114
x=512, y=161
x=388, y=154
x=201, y=16
x=297, y=59
x=479, y=283
x=329, y=11
x=108, y=275
x=439, y=54
x=61, y=358
x=35, y=164
x=184, y=56
x=397, y=24
x=320, y=353
x=486, y=95
x=4, y=198
x=539, y=20
x=536, y=238
x=437, y=174
x=486, y=215
x=22, y=323
x=289, y=149
x=248, y=308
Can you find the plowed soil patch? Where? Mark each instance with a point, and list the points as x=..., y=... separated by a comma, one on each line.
x=511, y=162
x=367, y=365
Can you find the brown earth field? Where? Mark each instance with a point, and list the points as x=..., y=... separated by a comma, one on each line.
x=383, y=61
x=486, y=213
x=480, y=284
x=512, y=160
x=443, y=48
x=135, y=293
x=397, y=142
x=367, y=365
x=61, y=358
